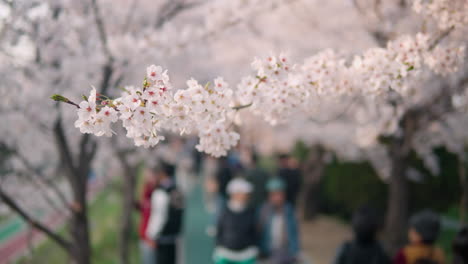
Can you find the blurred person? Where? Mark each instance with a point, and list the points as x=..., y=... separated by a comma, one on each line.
x=236, y=238
x=460, y=246
x=288, y=171
x=279, y=228
x=224, y=174
x=144, y=206
x=422, y=234
x=364, y=248
x=258, y=177
x=165, y=222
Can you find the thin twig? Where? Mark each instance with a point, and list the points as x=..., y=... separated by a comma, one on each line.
x=440, y=37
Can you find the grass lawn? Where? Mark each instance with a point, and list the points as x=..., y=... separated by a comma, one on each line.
x=104, y=215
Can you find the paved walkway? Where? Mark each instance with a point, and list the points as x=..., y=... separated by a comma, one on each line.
x=197, y=245
x=321, y=237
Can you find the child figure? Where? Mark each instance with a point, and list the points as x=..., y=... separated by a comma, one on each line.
x=423, y=232
x=236, y=234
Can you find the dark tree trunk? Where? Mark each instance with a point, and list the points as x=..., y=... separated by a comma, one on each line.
x=128, y=203
x=79, y=226
x=312, y=170
x=464, y=189
x=127, y=220
x=397, y=208
x=80, y=234
x=399, y=196
x=77, y=171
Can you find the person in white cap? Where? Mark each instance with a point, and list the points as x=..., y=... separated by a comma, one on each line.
x=237, y=235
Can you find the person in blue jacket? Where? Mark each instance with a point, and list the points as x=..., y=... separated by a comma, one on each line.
x=279, y=228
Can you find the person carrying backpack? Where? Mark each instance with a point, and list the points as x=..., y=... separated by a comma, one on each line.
x=422, y=234
x=165, y=222
x=364, y=248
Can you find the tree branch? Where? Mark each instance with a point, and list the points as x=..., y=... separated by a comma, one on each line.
x=440, y=37
x=62, y=144
x=101, y=29
x=170, y=10
x=42, y=178
x=33, y=222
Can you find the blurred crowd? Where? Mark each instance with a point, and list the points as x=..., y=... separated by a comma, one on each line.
x=254, y=216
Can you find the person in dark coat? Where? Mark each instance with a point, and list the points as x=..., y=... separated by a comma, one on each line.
x=258, y=177
x=236, y=236
x=364, y=248
x=460, y=246
x=224, y=175
x=289, y=172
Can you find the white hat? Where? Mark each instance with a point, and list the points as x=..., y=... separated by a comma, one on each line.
x=239, y=185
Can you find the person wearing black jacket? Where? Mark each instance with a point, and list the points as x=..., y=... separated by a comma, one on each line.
x=290, y=174
x=237, y=235
x=364, y=248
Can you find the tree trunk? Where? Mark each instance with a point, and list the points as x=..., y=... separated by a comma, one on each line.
x=79, y=226
x=397, y=207
x=128, y=203
x=464, y=189
x=80, y=234
x=398, y=199
x=312, y=171
x=77, y=171
x=127, y=220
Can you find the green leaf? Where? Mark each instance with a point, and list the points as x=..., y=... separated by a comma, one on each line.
x=59, y=98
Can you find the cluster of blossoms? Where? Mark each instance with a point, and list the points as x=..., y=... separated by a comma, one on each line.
x=447, y=13
x=326, y=74
x=445, y=60
x=145, y=112
x=379, y=69
x=281, y=89
x=278, y=91
x=95, y=118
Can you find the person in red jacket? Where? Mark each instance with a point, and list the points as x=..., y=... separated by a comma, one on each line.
x=144, y=205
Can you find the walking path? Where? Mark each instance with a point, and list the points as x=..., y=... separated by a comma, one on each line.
x=321, y=237
x=198, y=246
